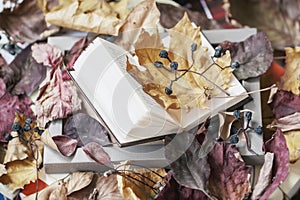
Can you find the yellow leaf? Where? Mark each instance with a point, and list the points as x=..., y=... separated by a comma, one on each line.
x=290, y=81
x=293, y=143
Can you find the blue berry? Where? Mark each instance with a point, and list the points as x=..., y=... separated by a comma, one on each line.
x=235, y=65
x=248, y=115
x=26, y=127
x=234, y=139
x=174, y=65
x=8, y=137
x=194, y=47
x=163, y=54
x=217, y=54
x=168, y=90
x=40, y=132
x=233, y=130
x=237, y=114
x=16, y=126
x=158, y=64
x=258, y=130
x=218, y=48
x=28, y=121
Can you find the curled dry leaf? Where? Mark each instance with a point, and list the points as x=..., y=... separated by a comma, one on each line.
x=60, y=192
x=290, y=81
x=93, y=16
x=16, y=150
x=255, y=55
x=277, y=145
x=56, y=99
x=86, y=129
x=133, y=182
x=61, y=143
x=293, y=143
x=78, y=181
x=265, y=176
x=26, y=23
x=287, y=123
x=97, y=153
x=284, y=29
x=284, y=103
x=229, y=176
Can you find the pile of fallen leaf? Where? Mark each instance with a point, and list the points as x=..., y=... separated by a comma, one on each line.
x=206, y=169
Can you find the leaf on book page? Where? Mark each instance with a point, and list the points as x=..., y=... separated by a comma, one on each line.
x=287, y=123
x=229, y=176
x=61, y=143
x=284, y=103
x=254, y=54
x=173, y=190
x=92, y=16
x=9, y=105
x=78, y=181
x=290, y=81
x=97, y=153
x=139, y=183
x=19, y=173
x=2, y=87
x=293, y=143
x=265, y=176
x=57, y=99
x=26, y=23
x=143, y=16
x=85, y=129
x=283, y=31
x=277, y=145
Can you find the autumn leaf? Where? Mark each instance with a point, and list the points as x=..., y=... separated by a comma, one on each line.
x=287, y=123
x=283, y=31
x=293, y=144
x=2, y=169
x=290, y=81
x=97, y=153
x=78, y=181
x=16, y=150
x=277, y=145
x=2, y=87
x=26, y=23
x=56, y=99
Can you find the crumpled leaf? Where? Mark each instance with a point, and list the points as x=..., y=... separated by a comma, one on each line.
x=86, y=129
x=229, y=176
x=78, y=181
x=92, y=16
x=97, y=153
x=60, y=192
x=255, y=55
x=293, y=143
x=277, y=145
x=47, y=54
x=9, y=105
x=265, y=176
x=56, y=99
x=2, y=169
x=175, y=191
x=145, y=15
x=290, y=81
x=61, y=143
x=16, y=150
x=26, y=23
x=133, y=189
x=2, y=87
x=287, y=123
x=284, y=103
x=284, y=29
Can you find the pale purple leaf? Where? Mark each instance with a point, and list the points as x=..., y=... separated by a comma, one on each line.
x=96, y=152
x=86, y=129
x=66, y=145
x=277, y=145
x=287, y=123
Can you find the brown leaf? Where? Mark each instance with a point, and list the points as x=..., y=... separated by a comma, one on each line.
x=290, y=81
x=56, y=99
x=293, y=143
x=59, y=192
x=16, y=150
x=96, y=152
x=78, y=181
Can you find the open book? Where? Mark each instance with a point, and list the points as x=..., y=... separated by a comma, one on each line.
x=131, y=115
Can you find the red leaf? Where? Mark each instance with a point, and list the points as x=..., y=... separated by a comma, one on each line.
x=96, y=152
x=277, y=145
x=66, y=145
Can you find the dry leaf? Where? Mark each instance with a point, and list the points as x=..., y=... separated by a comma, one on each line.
x=97, y=153
x=290, y=81
x=133, y=189
x=265, y=176
x=60, y=192
x=16, y=150
x=293, y=143
x=287, y=123
x=93, y=16
x=78, y=181
x=56, y=99
x=2, y=87
x=2, y=169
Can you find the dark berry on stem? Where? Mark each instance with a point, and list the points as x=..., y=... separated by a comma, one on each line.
x=217, y=54
x=40, y=132
x=16, y=126
x=8, y=137
x=248, y=115
x=28, y=121
x=234, y=139
x=235, y=65
x=258, y=130
x=163, y=54
x=168, y=90
x=36, y=129
x=26, y=127
x=218, y=48
x=174, y=66
x=233, y=130
x=237, y=114
x=158, y=64
x=194, y=47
